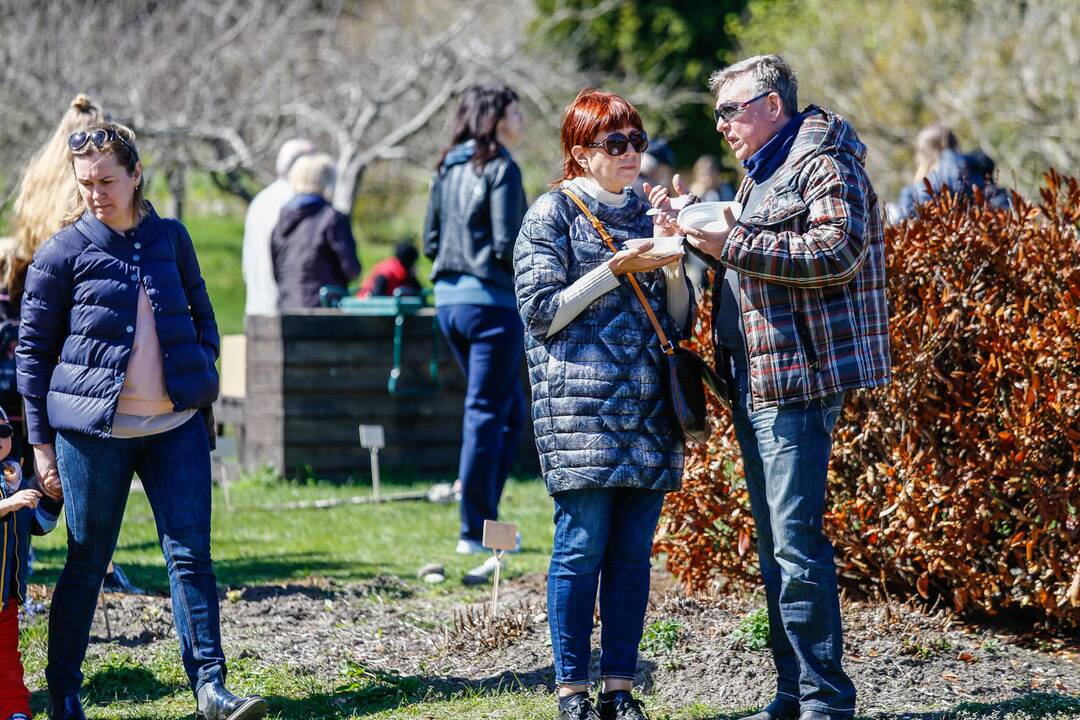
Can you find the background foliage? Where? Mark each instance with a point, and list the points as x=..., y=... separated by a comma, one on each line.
x=960, y=479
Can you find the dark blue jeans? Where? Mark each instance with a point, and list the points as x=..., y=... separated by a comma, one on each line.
x=488, y=343
x=96, y=475
x=786, y=458
x=602, y=537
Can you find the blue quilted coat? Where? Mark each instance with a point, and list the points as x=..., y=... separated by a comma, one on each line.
x=599, y=406
x=78, y=323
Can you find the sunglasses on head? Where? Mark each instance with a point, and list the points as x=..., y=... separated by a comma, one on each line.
x=616, y=142
x=729, y=111
x=6, y=431
x=100, y=138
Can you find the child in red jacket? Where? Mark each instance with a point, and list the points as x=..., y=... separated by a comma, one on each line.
x=23, y=511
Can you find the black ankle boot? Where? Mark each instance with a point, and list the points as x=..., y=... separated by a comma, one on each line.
x=217, y=703
x=65, y=708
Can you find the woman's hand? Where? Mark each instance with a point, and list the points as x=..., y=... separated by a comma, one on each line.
x=45, y=464
x=667, y=211
x=18, y=501
x=631, y=261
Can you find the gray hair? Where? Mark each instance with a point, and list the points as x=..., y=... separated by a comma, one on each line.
x=313, y=175
x=768, y=73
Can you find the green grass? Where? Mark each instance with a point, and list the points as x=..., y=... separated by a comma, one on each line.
x=352, y=543
x=253, y=546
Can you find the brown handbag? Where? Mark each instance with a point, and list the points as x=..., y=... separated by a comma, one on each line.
x=687, y=372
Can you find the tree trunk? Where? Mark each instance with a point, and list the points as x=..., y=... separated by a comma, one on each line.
x=175, y=177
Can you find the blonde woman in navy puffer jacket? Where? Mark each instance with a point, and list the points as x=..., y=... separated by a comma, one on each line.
x=116, y=354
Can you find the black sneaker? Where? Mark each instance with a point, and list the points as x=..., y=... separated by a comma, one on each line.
x=621, y=705
x=577, y=707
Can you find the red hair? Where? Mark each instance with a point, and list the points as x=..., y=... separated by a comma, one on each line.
x=592, y=112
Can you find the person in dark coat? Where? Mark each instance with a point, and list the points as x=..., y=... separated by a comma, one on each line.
x=477, y=202
x=609, y=442
x=116, y=357
x=312, y=244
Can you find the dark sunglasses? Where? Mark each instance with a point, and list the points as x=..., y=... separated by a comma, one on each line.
x=729, y=111
x=100, y=138
x=615, y=143
x=6, y=431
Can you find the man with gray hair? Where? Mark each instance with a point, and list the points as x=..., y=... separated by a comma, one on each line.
x=262, y=216
x=799, y=319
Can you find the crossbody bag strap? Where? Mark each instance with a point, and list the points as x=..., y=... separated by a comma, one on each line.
x=665, y=344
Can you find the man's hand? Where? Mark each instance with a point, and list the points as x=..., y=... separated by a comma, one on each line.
x=710, y=243
x=51, y=485
x=20, y=500
x=631, y=261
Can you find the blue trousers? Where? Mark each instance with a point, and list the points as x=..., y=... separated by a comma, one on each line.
x=96, y=475
x=603, y=537
x=488, y=343
x=786, y=458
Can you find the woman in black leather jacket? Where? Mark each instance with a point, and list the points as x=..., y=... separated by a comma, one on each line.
x=474, y=214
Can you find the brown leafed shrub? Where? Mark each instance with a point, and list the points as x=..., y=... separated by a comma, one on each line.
x=960, y=479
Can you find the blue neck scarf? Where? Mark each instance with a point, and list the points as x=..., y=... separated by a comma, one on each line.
x=772, y=154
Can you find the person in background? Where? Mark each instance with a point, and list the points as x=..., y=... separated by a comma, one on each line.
x=707, y=183
x=262, y=216
x=116, y=358
x=609, y=443
x=982, y=172
x=473, y=217
x=45, y=189
x=394, y=273
x=312, y=244
x=939, y=162
x=799, y=319
x=657, y=167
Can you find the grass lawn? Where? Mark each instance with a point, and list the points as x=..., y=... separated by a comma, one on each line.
x=255, y=544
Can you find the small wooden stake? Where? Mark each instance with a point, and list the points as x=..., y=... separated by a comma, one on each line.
x=498, y=537
x=372, y=438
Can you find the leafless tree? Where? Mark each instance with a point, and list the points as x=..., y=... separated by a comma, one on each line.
x=218, y=86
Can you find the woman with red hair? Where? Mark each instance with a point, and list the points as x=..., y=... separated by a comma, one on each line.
x=610, y=445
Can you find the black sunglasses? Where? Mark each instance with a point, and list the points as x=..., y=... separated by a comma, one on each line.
x=729, y=111
x=100, y=138
x=6, y=431
x=615, y=143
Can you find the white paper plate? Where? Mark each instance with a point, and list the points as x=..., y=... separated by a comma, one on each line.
x=662, y=246
x=699, y=215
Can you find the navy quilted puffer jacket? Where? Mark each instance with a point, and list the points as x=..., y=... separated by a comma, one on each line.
x=599, y=406
x=78, y=323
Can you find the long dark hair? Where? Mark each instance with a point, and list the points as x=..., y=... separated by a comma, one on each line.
x=481, y=109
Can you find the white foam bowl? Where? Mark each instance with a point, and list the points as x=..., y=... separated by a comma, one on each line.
x=662, y=246
x=708, y=216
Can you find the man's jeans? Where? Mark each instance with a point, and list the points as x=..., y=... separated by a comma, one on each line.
x=786, y=457
x=96, y=475
x=488, y=343
x=605, y=537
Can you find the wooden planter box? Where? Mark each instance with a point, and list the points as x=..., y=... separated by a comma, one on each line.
x=311, y=378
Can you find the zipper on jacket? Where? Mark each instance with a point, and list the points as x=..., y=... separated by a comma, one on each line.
x=804, y=335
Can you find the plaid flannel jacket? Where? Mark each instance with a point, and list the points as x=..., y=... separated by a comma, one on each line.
x=811, y=264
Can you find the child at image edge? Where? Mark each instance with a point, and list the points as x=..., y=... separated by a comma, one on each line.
x=23, y=511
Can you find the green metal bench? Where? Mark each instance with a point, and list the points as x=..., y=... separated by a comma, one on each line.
x=399, y=307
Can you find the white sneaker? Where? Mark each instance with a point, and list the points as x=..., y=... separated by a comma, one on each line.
x=465, y=546
x=480, y=574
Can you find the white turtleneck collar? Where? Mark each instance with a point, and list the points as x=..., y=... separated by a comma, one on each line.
x=592, y=188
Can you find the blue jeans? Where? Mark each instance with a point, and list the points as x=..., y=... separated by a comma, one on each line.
x=786, y=458
x=602, y=537
x=488, y=343
x=96, y=474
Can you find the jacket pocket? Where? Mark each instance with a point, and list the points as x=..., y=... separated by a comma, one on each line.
x=803, y=330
